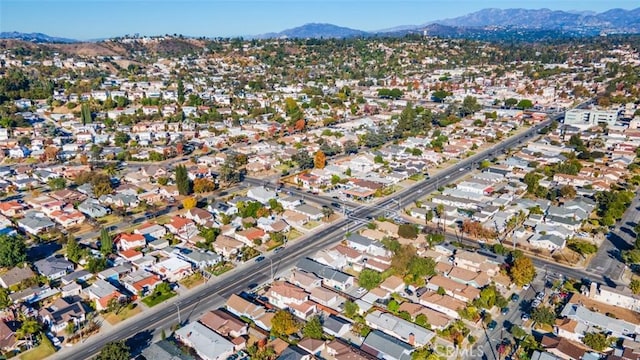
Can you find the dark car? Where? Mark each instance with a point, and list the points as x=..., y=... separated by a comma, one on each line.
x=259, y=258
x=504, y=310
x=335, y=205
x=492, y=325
x=515, y=297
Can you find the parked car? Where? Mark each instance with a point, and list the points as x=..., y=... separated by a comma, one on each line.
x=540, y=296
x=526, y=287
x=504, y=310
x=515, y=297
x=259, y=258
x=492, y=325
x=524, y=317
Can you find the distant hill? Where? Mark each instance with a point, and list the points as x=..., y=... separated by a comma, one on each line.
x=315, y=30
x=611, y=21
x=35, y=37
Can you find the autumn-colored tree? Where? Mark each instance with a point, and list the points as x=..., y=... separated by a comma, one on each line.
x=83, y=159
x=179, y=148
x=203, y=185
x=189, y=202
x=319, y=160
x=283, y=323
x=51, y=152
x=299, y=125
x=522, y=271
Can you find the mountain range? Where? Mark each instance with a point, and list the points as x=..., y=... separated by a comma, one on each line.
x=35, y=37
x=487, y=24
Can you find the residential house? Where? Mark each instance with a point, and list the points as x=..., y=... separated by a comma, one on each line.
x=445, y=304
x=141, y=282
x=130, y=241
x=15, y=276
x=363, y=244
x=331, y=278
x=288, y=296
x=102, y=292
x=261, y=194
x=165, y=350
x=53, y=267
x=227, y=246
x=8, y=339
x=383, y=346
x=342, y=351
x=200, y=259
x=251, y=235
x=620, y=297
x=294, y=353
x=563, y=348
x=224, y=323
x=401, y=329
x=173, y=269
x=151, y=231
x=336, y=326
x=35, y=222
x=221, y=208
x=58, y=315
x=183, y=228
x=207, y=344
x=11, y=208
x=92, y=208
x=199, y=216
x=309, y=211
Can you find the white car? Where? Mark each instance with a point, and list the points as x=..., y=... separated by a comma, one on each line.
x=361, y=291
x=524, y=317
x=526, y=287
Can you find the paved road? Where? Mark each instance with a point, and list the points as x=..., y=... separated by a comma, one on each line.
x=607, y=260
x=494, y=337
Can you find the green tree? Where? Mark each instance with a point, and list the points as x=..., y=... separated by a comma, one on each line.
x=543, y=315
x=596, y=340
x=115, y=350
x=182, y=180
x=29, y=327
x=313, y=328
x=106, y=242
x=121, y=138
x=85, y=114
x=408, y=231
x=522, y=271
x=283, y=323
x=484, y=164
x=13, y=250
x=369, y=279
x=635, y=286
x=350, y=308
x=518, y=332
x=180, y=91
x=57, y=183
x=5, y=300
x=96, y=264
x=525, y=104
x=74, y=252
x=393, y=306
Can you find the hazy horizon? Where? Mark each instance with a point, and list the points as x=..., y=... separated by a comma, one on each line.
x=94, y=19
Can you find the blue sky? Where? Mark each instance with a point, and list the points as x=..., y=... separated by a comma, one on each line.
x=90, y=19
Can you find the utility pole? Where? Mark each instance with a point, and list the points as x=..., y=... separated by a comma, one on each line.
x=178, y=306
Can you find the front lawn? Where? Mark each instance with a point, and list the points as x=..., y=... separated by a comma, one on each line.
x=125, y=313
x=220, y=268
x=160, y=294
x=192, y=281
x=40, y=352
x=311, y=225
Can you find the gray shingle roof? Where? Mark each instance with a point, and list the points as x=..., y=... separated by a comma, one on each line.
x=321, y=270
x=387, y=346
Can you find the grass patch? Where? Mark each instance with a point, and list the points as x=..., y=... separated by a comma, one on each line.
x=293, y=234
x=110, y=219
x=311, y=225
x=125, y=313
x=40, y=352
x=164, y=219
x=192, y=281
x=158, y=297
x=416, y=177
x=220, y=269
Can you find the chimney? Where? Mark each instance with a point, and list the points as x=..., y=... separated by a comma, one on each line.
x=412, y=339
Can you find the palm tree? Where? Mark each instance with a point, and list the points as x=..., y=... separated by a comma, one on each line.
x=29, y=328
x=110, y=169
